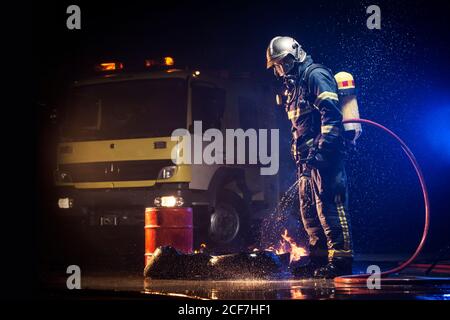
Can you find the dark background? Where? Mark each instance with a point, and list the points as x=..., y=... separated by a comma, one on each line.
x=401, y=71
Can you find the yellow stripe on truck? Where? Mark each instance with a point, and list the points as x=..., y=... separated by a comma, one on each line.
x=183, y=174
x=114, y=184
x=114, y=150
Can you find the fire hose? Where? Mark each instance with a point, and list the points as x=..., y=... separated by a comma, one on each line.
x=362, y=278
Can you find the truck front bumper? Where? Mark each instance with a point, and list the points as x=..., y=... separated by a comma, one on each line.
x=124, y=206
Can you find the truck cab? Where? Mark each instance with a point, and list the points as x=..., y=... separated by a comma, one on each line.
x=115, y=145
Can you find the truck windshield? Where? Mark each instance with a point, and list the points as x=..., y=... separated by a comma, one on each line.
x=125, y=109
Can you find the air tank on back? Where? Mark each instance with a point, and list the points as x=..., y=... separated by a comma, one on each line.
x=349, y=104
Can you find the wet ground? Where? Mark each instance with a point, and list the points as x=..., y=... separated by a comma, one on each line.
x=101, y=284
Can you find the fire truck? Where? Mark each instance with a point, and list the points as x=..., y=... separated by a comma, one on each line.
x=114, y=152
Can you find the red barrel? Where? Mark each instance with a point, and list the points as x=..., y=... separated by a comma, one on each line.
x=168, y=227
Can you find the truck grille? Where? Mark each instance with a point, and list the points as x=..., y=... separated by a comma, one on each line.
x=115, y=171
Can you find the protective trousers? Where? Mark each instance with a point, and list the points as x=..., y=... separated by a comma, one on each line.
x=324, y=210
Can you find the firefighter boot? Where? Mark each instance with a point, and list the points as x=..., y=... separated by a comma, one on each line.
x=307, y=270
x=317, y=258
x=339, y=266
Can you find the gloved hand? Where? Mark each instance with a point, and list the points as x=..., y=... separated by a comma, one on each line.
x=315, y=158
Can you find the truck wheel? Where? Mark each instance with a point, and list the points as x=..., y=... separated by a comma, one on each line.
x=229, y=222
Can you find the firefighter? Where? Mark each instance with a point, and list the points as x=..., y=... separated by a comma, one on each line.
x=318, y=146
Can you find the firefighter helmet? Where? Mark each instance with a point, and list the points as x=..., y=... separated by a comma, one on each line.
x=281, y=47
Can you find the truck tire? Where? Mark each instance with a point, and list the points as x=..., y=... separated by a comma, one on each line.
x=229, y=223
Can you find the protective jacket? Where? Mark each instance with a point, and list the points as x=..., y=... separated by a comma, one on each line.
x=313, y=109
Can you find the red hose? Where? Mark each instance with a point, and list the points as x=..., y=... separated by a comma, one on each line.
x=360, y=278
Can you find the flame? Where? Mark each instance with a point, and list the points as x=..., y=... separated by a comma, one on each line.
x=288, y=245
x=296, y=293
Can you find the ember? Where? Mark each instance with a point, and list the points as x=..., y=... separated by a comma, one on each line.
x=288, y=245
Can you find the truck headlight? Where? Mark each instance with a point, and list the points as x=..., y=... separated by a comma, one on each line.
x=167, y=172
x=65, y=203
x=169, y=201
